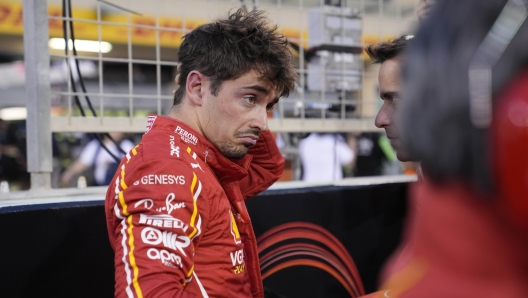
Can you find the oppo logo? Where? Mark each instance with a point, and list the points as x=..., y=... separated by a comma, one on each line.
x=167, y=258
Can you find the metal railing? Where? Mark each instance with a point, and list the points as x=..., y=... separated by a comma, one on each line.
x=304, y=111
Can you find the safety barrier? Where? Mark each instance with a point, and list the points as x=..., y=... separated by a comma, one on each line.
x=324, y=240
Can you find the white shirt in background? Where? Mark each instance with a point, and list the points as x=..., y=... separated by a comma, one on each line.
x=323, y=156
x=103, y=159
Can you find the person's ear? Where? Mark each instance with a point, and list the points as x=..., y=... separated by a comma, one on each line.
x=195, y=87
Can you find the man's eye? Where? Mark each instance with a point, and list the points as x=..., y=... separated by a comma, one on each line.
x=270, y=108
x=251, y=99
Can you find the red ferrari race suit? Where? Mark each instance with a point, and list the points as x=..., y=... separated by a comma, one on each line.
x=176, y=215
x=458, y=243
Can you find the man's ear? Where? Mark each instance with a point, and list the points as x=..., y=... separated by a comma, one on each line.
x=195, y=87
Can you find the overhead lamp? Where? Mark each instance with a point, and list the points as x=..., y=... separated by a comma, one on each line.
x=15, y=113
x=81, y=45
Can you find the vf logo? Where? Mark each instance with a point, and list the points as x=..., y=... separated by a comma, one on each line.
x=237, y=257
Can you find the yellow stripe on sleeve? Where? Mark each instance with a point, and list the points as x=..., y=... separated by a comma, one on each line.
x=193, y=184
x=123, y=204
x=121, y=181
x=123, y=184
x=133, y=259
x=195, y=211
x=190, y=272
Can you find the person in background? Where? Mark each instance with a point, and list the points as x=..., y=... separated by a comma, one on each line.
x=392, y=59
x=323, y=156
x=96, y=158
x=175, y=209
x=464, y=116
x=390, y=56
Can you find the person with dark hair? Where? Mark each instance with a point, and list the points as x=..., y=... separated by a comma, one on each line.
x=384, y=51
x=390, y=56
x=465, y=117
x=175, y=210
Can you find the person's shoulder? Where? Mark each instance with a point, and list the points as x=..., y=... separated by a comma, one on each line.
x=152, y=158
x=165, y=146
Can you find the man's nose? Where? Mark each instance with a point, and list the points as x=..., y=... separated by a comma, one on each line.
x=383, y=118
x=260, y=121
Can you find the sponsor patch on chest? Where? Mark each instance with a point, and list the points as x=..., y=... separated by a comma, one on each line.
x=237, y=260
x=186, y=136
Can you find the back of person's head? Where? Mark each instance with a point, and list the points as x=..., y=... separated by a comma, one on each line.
x=436, y=123
x=384, y=51
x=229, y=48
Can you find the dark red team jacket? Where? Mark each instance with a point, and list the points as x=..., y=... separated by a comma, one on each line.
x=457, y=244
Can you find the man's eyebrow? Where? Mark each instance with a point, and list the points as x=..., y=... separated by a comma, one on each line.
x=257, y=88
x=262, y=90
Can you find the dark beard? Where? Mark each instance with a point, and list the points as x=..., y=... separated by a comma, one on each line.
x=237, y=152
x=233, y=152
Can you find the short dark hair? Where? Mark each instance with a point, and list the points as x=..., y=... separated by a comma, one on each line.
x=227, y=49
x=384, y=51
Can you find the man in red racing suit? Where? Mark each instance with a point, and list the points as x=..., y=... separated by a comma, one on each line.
x=177, y=219
x=175, y=211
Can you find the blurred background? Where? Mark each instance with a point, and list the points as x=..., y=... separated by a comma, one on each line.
x=122, y=68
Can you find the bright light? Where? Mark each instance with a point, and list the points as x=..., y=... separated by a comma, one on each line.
x=81, y=45
x=13, y=114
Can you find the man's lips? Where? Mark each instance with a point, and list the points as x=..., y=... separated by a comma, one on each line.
x=250, y=139
x=392, y=139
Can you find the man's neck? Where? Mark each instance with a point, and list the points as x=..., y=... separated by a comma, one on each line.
x=186, y=113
